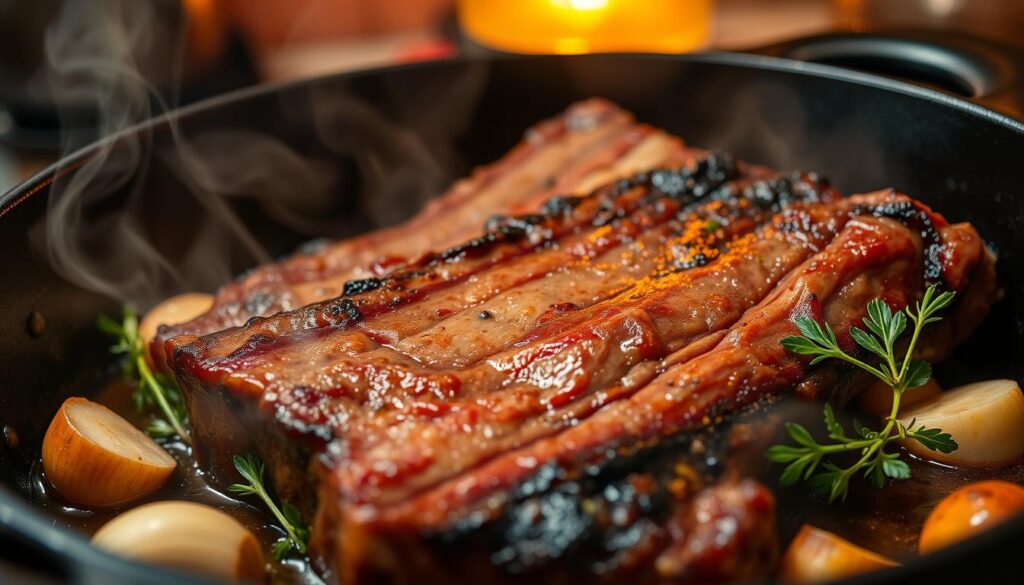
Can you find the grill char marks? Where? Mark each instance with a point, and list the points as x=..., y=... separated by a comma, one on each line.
x=868, y=257
x=464, y=394
x=564, y=370
x=592, y=141
x=639, y=206
x=235, y=351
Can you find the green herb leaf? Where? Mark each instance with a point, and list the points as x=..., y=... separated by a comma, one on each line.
x=292, y=514
x=823, y=481
x=798, y=469
x=863, y=431
x=929, y=305
x=879, y=315
x=934, y=439
x=897, y=325
x=895, y=468
x=785, y=453
x=160, y=428
x=808, y=460
x=840, y=487
x=875, y=474
x=918, y=374
x=800, y=435
x=801, y=345
x=282, y=548
x=868, y=342
x=152, y=390
x=251, y=469
x=109, y=326
x=822, y=336
x=832, y=426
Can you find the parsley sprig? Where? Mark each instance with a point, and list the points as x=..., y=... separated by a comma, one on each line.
x=807, y=460
x=251, y=468
x=152, y=390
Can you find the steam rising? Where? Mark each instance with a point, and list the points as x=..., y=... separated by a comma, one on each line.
x=106, y=228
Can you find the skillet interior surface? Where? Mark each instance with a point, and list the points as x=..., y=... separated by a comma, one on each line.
x=862, y=132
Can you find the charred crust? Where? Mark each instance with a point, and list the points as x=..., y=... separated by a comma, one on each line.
x=780, y=192
x=561, y=205
x=592, y=508
x=347, y=309
x=355, y=287
x=917, y=218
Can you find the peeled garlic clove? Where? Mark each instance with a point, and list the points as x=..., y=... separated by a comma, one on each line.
x=877, y=398
x=986, y=419
x=186, y=536
x=94, y=457
x=816, y=555
x=174, y=310
x=969, y=510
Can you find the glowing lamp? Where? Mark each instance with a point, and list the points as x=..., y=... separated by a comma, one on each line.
x=587, y=26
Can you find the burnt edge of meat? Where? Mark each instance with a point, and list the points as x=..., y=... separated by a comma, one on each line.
x=706, y=177
x=355, y=287
x=573, y=522
x=915, y=216
x=687, y=182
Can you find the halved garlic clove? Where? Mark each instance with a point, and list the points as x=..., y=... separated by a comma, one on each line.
x=877, y=398
x=94, y=457
x=186, y=536
x=986, y=419
x=171, y=311
x=816, y=555
x=969, y=510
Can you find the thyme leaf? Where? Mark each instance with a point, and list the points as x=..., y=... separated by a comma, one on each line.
x=808, y=459
x=251, y=469
x=152, y=390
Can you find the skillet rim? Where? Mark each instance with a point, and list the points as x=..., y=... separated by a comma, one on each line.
x=19, y=518
x=729, y=58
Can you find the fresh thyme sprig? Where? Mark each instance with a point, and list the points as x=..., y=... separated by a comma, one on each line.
x=152, y=390
x=807, y=459
x=251, y=468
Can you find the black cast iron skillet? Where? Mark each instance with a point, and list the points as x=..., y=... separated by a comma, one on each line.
x=949, y=138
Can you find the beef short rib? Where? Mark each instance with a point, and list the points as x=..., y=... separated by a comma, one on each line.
x=591, y=143
x=519, y=399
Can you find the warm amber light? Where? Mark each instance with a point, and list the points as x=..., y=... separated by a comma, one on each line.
x=585, y=26
x=583, y=4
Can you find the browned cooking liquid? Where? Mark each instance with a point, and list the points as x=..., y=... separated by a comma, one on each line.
x=887, y=520
x=187, y=483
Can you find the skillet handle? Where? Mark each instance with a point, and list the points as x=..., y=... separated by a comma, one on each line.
x=978, y=70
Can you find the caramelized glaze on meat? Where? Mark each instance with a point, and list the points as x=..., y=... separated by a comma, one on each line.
x=590, y=144
x=486, y=395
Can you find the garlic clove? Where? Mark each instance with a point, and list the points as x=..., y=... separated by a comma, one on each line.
x=94, y=457
x=186, y=536
x=986, y=419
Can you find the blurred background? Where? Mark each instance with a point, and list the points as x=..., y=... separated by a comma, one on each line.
x=64, y=63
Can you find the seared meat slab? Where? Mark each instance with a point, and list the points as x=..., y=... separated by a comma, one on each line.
x=521, y=396
x=591, y=143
